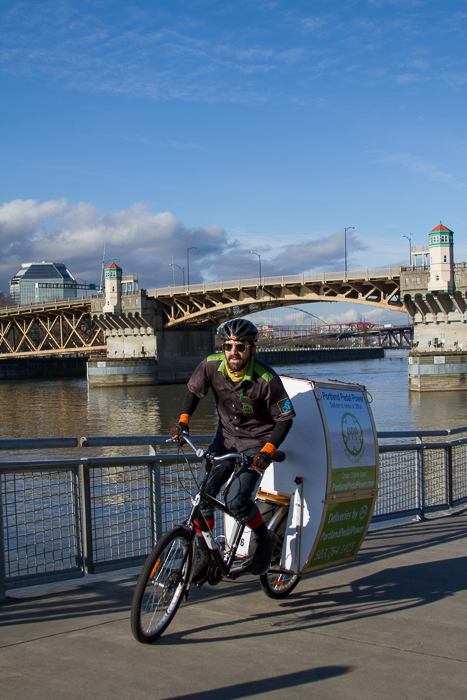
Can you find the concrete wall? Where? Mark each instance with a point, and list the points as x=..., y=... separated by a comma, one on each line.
x=110, y=372
x=437, y=371
x=440, y=318
x=43, y=368
x=285, y=357
x=169, y=357
x=180, y=351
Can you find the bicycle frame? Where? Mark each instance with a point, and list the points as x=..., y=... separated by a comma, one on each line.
x=166, y=577
x=197, y=521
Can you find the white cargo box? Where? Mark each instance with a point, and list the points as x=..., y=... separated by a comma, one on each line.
x=330, y=474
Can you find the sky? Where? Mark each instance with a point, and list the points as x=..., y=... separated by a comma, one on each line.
x=150, y=127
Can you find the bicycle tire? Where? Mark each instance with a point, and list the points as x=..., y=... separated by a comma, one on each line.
x=276, y=583
x=161, y=585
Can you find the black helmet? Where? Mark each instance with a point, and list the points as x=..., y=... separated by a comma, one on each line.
x=238, y=329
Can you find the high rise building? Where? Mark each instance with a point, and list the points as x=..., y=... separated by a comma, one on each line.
x=42, y=281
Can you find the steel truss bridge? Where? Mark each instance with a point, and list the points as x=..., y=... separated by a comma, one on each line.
x=400, y=336
x=220, y=301
x=50, y=328
x=69, y=326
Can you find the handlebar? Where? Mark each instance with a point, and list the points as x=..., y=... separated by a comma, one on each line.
x=279, y=456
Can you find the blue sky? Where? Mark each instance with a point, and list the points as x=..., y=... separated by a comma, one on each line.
x=230, y=126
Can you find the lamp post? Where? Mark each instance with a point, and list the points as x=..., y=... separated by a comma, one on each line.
x=345, y=247
x=78, y=286
x=259, y=258
x=180, y=268
x=193, y=247
x=410, y=245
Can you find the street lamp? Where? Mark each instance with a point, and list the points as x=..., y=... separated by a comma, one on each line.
x=345, y=247
x=180, y=268
x=259, y=258
x=193, y=247
x=79, y=286
x=410, y=244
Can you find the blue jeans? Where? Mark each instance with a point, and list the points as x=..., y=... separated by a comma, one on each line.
x=238, y=496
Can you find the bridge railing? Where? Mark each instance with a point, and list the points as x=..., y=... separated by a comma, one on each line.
x=59, y=303
x=337, y=276
x=62, y=517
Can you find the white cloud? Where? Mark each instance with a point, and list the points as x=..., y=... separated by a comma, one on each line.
x=193, y=55
x=75, y=234
x=144, y=243
x=328, y=313
x=420, y=166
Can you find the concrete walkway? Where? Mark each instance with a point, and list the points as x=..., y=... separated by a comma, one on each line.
x=392, y=625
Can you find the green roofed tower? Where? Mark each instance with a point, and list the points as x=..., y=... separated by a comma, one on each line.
x=441, y=259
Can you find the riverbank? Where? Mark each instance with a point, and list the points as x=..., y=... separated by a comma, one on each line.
x=75, y=367
x=57, y=367
x=290, y=356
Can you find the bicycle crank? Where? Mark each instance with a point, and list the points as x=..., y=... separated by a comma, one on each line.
x=214, y=574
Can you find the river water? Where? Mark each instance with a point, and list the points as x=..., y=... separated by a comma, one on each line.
x=68, y=408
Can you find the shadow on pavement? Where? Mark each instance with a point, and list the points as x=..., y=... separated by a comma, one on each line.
x=392, y=541
x=265, y=685
x=385, y=592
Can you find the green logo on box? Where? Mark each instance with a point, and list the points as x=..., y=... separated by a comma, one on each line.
x=352, y=435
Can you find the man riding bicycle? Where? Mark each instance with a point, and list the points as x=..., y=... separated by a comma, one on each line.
x=255, y=415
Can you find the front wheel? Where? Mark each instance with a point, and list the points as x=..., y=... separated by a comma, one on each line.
x=276, y=583
x=161, y=585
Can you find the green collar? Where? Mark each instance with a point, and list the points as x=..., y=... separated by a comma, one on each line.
x=248, y=374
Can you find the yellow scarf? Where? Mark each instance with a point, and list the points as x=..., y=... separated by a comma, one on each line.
x=236, y=376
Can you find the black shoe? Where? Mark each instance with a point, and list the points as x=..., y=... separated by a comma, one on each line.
x=200, y=572
x=263, y=554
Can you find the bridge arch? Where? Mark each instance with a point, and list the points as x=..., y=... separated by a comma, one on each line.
x=214, y=303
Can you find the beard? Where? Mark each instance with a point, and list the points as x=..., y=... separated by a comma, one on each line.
x=238, y=366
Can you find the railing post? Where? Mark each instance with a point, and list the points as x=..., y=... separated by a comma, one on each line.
x=3, y=597
x=86, y=519
x=77, y=519
x=155, y=497
x=421, y=465
x=449, y=484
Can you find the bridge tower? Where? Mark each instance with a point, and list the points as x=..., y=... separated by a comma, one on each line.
x=441, y=259
x=436, y=299
x=113, y=289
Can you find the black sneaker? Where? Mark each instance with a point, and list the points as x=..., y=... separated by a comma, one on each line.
x=263, y=554
x=200, y=572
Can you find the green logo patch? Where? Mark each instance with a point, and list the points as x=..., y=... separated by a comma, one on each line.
x=247, y=408
x=285, y=406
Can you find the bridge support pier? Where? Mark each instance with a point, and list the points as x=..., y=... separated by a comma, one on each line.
x=139, y=350
x=159, y=357
x=439, y=359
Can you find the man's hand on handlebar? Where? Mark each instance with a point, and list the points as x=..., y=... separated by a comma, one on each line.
x=261, y=461
x=178, y=429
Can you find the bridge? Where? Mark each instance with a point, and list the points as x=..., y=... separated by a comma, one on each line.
x=78, y=325
x=221, y=300
x=389, y=336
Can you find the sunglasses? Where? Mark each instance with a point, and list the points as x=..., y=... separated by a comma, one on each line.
x=241, y=347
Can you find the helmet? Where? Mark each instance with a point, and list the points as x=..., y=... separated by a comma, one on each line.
x=238, y=329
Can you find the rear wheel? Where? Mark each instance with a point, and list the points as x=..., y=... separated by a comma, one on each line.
x=276, y=583
x=161, y=585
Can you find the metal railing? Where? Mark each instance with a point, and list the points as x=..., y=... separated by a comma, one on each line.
x=385, y=273
x=61, y=517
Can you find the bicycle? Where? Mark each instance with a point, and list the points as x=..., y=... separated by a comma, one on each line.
x=166, y=575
